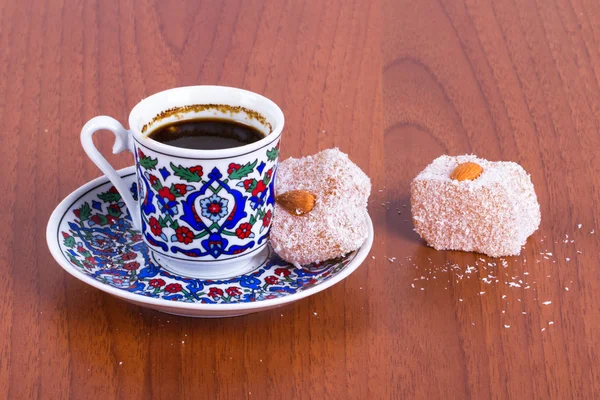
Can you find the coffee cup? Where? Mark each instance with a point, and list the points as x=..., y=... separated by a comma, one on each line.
x=202, y=213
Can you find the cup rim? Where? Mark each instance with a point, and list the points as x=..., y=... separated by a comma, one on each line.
x=143, y=140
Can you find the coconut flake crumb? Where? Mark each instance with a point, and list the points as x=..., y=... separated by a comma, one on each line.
x=546, y=303
x=507, y=326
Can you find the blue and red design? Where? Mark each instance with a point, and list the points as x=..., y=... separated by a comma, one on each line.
x=211, y=211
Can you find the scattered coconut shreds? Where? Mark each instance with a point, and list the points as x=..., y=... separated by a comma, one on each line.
x=543, y=329
x=488, y=272
x=507, y=326
x=551, y=323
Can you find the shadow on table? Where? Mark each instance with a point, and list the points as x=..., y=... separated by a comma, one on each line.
x=399, y=218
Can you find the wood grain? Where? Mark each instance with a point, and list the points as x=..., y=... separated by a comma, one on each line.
x=392, y=83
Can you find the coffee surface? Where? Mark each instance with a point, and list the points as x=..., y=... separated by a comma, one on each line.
x=206, y=134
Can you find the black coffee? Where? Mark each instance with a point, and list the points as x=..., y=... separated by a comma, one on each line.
x=206, y=134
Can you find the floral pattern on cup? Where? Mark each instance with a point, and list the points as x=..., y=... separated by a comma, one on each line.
x=210, y=210
x=98, y=239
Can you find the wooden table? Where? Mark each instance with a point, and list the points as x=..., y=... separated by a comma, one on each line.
x=394, y=84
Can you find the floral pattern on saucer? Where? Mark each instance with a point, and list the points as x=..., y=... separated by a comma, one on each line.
x=96, y=236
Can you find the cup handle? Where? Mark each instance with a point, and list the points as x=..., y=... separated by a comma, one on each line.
x=123, y=141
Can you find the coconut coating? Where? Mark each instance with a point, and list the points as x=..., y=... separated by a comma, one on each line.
x=493, y=214
x=337, y=224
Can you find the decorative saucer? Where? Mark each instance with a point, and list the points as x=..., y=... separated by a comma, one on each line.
x=91, y=236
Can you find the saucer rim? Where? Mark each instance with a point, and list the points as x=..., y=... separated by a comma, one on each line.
x=54, y=247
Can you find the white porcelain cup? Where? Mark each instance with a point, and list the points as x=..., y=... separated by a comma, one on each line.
x=202, y=213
